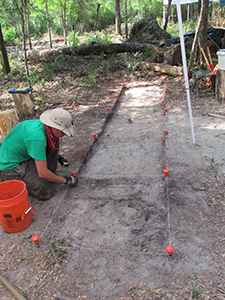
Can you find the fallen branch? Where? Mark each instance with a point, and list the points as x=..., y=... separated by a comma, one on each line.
x=12, y=289
x=58, y=297
x=216, y=116
x=221, y=291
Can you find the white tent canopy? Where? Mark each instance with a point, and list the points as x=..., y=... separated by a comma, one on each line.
x=183, y=52
x=165, y=2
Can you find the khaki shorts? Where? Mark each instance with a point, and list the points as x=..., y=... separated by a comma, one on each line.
x=27, y=172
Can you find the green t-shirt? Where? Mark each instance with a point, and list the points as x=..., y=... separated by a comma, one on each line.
x=26, y=140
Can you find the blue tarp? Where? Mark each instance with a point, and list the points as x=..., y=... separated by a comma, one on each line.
x=222, y=2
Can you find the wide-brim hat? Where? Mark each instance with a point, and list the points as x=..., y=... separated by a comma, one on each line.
x=60, y=119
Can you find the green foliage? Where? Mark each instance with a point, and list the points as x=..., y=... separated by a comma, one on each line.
x=97, y=37
x=73, y=38
x=154, y=8
x=196, y=294
x=213, y=160
x=147, y=54
x=92, y=37
x=48, y=70
x=89, y=81
x=38, y=25
x=10, y=36
x=173, y=28
x=106, y=17
x=191, y=25
x=81, y=16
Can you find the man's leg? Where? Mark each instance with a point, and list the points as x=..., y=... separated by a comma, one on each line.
x=35, y=185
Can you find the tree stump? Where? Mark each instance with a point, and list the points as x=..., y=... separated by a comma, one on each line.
x=24, y=105
x=220, y=86
x=8, y=119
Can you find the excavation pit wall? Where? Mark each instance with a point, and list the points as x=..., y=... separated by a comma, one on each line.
x=119, y=203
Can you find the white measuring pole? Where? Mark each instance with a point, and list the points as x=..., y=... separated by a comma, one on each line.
x=185, y=67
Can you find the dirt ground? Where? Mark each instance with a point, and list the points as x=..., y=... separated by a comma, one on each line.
x=106, y=238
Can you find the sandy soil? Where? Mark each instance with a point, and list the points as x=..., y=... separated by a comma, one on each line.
x=106, y=238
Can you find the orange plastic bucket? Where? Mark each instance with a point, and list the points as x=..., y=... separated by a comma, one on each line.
x=15, y=209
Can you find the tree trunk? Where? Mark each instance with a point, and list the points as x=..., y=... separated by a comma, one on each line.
x=172, y=14
x=118, y=18
x=48, y=24
x=188, y=14
x=96, y=19
x=164, y=13
x=199, y=6
x=131, y=14
x=28, y=24
x=21, y=12
x=200, y=39
x=167, y=14
x=126, y=27
x=63, y=16
x=6, y=66
x=24, y=42
x=210, y=11
x=139, y=10
x=203, y=27
x=97, y=49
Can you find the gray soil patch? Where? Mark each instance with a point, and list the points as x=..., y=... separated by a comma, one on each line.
x=114, y=226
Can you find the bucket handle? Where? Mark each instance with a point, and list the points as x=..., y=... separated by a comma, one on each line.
x=30, y=208
x=23, y=215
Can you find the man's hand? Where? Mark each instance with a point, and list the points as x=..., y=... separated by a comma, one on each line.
x=70, y=180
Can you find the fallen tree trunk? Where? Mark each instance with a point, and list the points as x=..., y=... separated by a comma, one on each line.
x=171, y=55
x=158, y=56
x=97, y=49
